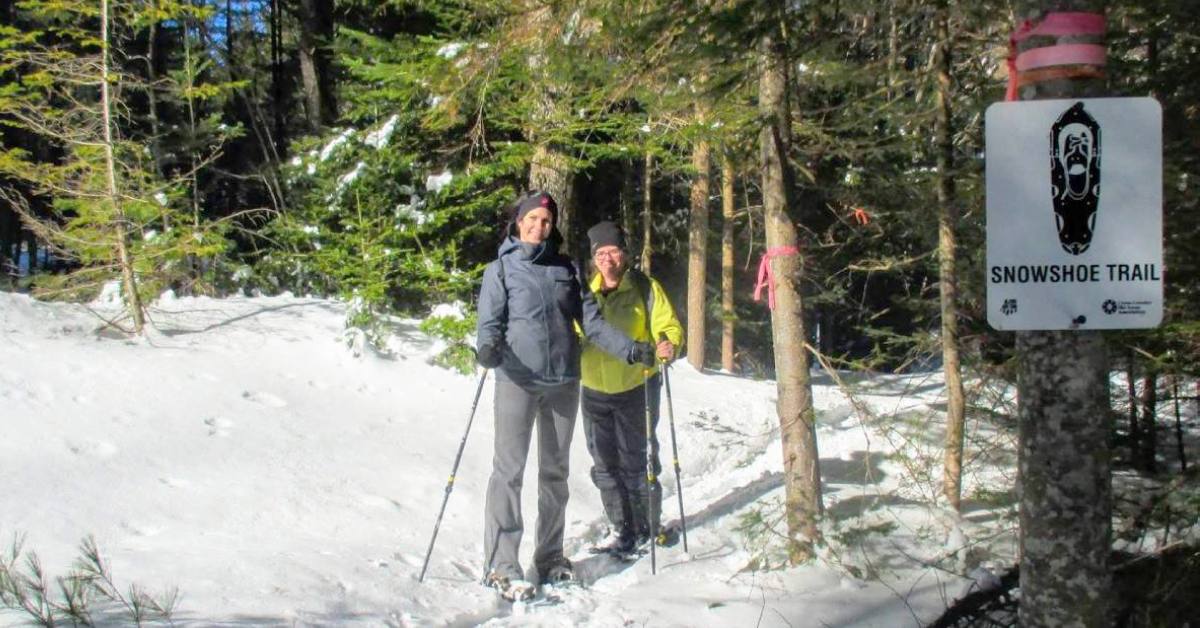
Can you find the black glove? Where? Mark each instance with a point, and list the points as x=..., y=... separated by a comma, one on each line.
x=642, y=353
x=489, y=356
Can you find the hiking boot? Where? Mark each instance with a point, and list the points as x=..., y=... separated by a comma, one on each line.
x=668, y=536
x=556, y=571
x=511, y=589
x=617, y=542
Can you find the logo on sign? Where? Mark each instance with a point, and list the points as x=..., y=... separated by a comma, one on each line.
x=1110, y=306
x=1009, y=307
x=1075, y=177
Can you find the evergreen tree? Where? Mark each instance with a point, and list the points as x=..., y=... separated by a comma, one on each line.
x=114, y=215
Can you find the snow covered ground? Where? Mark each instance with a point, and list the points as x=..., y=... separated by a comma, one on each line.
x=242, y=453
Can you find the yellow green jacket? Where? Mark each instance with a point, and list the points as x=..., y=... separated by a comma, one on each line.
x=624, y=309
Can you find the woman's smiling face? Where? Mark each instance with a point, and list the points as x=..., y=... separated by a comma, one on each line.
x=534, y=227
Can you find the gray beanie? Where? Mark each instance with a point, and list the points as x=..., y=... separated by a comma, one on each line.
x=606, y=233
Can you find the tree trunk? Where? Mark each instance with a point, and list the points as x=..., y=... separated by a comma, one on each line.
x=1149, y=444
x=152, y=100
x=728, y=317
x=31, y=247
x=550, y=171
x=550, y=168
x=1063, y=428
x=893, y=50
x=316, y=62
x=193, y=71
x=797, y=420
x=647, y=212
x=10, y=239
x=947, y=266
x=124, y=257
x=698, y=250
x=1135, y=428
x=1178, y=424
x=277, y=104
x=628, y=206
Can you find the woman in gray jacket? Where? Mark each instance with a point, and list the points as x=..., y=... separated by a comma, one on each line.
x=528, y=306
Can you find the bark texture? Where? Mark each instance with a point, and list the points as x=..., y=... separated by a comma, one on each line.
x=698, y=252
x=1149, y=446
x=1065, y=474
x=802, y=478
x=550, y=168
x=550, y=171
x=727, y=307
x=947, y=266
x=1064, y=423
x=316, y=62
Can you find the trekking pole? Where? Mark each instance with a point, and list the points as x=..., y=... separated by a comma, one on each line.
x=450, y=483
x=674, y=450
x=650, y=479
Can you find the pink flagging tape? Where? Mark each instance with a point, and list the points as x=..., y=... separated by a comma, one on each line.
x=766, y=276
x=1054, y=25
x=1062, y=54
x=1059, y=24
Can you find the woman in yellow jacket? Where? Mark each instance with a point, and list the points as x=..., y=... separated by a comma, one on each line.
x=616, y=393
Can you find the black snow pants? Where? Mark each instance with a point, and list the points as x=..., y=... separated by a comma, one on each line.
x=615, y=426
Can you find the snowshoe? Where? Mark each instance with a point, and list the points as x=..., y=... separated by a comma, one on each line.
x=629, y=556
x=615, y=543
x=511, y=589
x=557, y=572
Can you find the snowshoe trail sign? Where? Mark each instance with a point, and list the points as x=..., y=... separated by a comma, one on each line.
x=1074, y=214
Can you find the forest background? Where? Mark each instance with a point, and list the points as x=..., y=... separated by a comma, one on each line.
x=368, y=150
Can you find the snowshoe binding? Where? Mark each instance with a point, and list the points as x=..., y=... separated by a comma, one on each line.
x=616, y=543
x=511, y=589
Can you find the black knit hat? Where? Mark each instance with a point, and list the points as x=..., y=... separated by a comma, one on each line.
x=533, y=200
x=606, y=233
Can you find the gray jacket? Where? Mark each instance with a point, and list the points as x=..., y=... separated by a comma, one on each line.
x=530, y=298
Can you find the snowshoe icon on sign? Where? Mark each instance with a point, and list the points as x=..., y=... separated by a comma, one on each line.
x=1075, y=177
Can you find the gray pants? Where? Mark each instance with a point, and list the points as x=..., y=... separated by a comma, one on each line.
x=517, y=410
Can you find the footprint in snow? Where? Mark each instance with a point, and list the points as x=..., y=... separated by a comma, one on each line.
x=141, y=530
x=465, y=569
x=376, y=501
x=218, y=426
x=175, y=482
x=407, y=559
x=100, y=449
x=266, y=399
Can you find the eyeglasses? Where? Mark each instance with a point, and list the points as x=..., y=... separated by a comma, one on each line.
x=613, y=254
